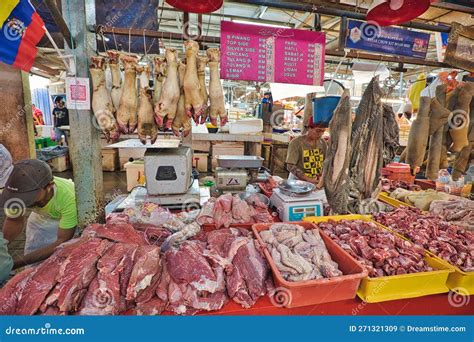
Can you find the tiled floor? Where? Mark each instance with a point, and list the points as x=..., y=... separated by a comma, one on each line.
x=114, y=182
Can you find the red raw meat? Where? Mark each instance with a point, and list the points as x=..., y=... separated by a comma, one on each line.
x=117, y=232
x=11, y=292
x=145, y=274
x=106, y=294
x=155, y=235
x=154, y=306
x=76, y=273
x=44, y=279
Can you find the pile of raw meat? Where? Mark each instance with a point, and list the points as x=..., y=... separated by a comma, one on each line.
x=380, y=252
x=457, y=211
x=118, y=268
x=448, y=241
x=299, y=254
x=389, y=185
x=228, y=209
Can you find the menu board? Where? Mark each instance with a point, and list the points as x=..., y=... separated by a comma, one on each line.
x=270, y=54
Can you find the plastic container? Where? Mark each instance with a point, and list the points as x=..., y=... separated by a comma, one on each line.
x=323, y=109
x=319, y=291
x=398, y=172
x=385, y=197
x=460, y=281
x=381, y=289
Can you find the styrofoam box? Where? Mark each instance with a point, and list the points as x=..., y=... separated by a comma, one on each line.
x=246, y=126
x=135, y=174
x=126, y=153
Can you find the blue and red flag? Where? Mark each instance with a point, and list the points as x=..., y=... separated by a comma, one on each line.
x=19, y=35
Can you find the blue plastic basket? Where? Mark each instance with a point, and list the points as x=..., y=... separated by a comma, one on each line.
x=323, y=109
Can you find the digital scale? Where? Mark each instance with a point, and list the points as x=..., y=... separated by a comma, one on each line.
x=292, y=207
x=168, y=174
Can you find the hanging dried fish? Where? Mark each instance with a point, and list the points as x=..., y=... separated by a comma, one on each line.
x=391, y=136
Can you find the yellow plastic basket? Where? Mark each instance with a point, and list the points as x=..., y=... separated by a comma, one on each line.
x=385, y=197
x=381, y=289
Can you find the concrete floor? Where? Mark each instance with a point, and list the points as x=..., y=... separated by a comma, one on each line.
x=114, y=183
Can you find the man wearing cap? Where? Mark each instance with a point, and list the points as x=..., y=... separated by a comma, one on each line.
x=306, y=154
x=52, y=202
x=6, y=167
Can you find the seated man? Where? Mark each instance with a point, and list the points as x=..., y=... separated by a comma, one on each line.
x=52, y=201
x=306, y=154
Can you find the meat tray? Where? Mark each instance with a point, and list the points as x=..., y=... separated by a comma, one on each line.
x=381, y=289
x=311, y=292
x=385, y=197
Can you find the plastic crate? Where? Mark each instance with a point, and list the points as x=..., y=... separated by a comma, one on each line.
x=380, y=289
x=319, y=291
x=385, y=197
x=398, y=172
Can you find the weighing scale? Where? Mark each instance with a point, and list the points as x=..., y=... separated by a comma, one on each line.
x=296, y=207
x=168, y=173
x=234, y=173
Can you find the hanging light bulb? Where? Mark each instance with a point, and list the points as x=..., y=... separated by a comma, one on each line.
x=393, y=12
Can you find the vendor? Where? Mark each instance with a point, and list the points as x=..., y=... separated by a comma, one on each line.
x=52, y=203
x=6, y=261
x=306, y=154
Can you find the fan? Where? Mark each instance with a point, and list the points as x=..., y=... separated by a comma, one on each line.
x=394, y=12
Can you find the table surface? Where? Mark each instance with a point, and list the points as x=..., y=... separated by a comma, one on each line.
x=258, y=137
x=428, y=305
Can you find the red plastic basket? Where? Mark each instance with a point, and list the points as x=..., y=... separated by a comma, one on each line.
x=398, y=172
x=303, y=293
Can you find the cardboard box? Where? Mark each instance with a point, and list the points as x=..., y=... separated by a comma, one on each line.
x=130, y=154
x=201, y=161
x=226, y=149
x=135, y=174
x=110, y=161
x=59, y=164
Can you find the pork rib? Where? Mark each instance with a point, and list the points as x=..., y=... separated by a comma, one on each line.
x=101, y=101
x=169, y=96
x=127, y=111
x=146, y=121
x=216, y=93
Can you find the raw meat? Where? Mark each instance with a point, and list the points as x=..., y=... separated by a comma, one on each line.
x=102, y=102
x=106, y=294
x=380, y=252
x=159, y=76
x=146, y=122
x=124, y=233
x=170, y=92
x=201, y=70
x=299, y=254
x=11, y=292
x=127, y=110
x=367, y=144
x=145, y=274
x=194, y=102
x=181, y=120
x=76, y=273
x=336, y=168
x=390, y=185
x=429, y=231
x=216, y=93
x=116, y=92
x=456, y=211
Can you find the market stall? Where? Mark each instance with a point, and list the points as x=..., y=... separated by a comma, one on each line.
x=336, y=224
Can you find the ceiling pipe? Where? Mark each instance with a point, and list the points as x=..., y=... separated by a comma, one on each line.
x=303, y=7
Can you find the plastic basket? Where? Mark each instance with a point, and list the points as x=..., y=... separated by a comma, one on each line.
x=398, y=172
x=385, y=197
x=323, y=109
x=380, y=289
x=319, y=291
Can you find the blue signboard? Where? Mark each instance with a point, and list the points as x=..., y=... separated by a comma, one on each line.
x=389, y=40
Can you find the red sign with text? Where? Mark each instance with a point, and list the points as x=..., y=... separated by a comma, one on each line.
x=269, y=54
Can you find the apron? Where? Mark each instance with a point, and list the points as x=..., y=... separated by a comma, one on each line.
x=41, y=231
